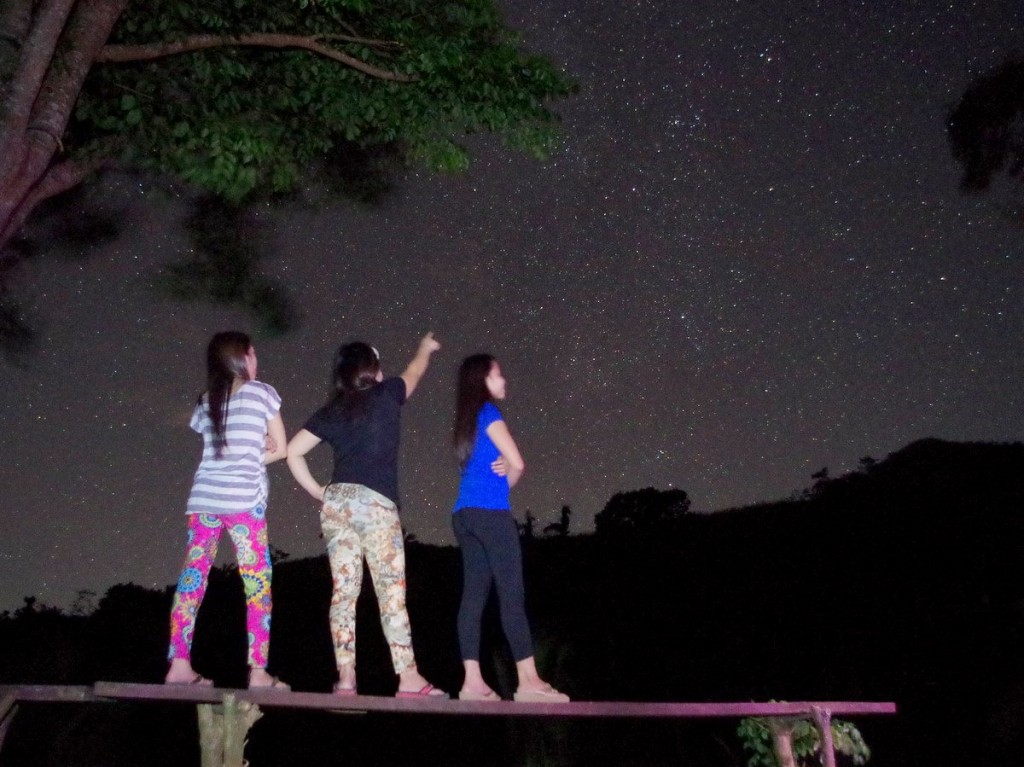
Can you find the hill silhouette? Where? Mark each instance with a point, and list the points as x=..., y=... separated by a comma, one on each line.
x=901, y=581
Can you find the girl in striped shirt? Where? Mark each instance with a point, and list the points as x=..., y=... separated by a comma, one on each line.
x=235, y=417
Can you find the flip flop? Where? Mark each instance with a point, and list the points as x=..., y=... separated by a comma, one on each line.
x=427, y=691
x=275, y=684
x=490, y=696
x=198, y=681
x=550, y=695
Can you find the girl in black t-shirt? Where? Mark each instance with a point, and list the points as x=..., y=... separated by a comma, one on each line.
x=359, y=512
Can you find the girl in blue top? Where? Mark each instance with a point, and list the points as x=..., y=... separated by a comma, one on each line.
x=486, y=531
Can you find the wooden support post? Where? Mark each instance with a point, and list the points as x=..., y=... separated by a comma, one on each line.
x=782, y=736
x=8, y=708
x=211, y=736
x=223, y=729
x=823, y=720
x=239, y=717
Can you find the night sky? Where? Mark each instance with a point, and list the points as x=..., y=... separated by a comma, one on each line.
x=750, y=260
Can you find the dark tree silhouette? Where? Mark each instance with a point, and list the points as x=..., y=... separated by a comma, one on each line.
x=641, y=510
x=278, y=555
x=867, y=463
x=902, y=583
x=986, y=128
x=526, y=530
x=561, y=527
x=821, y=479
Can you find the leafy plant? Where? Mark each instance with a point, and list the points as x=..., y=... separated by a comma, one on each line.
x=756, y=735
x=244, y=98
x=250, y=101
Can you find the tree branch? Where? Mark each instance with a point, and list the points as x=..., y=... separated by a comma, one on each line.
x=381, y=45
x=30, y=139
x=60, y=178
x=64, y=176
x=15, y=18
x=85, y=35
x=36, y=57
x=123, y=53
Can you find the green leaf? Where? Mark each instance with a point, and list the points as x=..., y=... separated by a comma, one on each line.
x=279, y=112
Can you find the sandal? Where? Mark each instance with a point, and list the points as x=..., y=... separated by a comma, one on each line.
x=198, y=681
x=427, y=691
x=275, y=684
x=547, y=695
x=490, y=696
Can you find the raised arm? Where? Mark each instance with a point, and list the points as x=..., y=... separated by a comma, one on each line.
x=418, y=365
x=302, y=443
x=276, y=440
x=502, y=439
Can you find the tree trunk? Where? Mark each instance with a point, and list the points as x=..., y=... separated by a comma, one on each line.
x=51, y=47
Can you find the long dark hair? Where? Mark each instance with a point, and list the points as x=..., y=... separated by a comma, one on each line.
x=471, y=393
x=225, y=361
x=356, y=365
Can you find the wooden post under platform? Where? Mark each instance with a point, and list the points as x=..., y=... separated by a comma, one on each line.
x=823, y=720
x=782, y=737
x=8, y=708
x=223, y=729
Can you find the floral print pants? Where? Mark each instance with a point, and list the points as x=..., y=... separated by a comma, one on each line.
x=358, y=522
x=248, y=531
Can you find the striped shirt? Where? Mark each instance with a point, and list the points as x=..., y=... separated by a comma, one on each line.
x=237, y=480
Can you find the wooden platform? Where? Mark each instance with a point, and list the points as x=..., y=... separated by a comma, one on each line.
x=209, y=699
x=110, y=691
x=576, y=709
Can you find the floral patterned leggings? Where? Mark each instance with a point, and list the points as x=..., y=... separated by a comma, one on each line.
x=248, y=531
x=358, y=522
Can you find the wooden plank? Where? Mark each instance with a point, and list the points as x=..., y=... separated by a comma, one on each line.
x=576, y=709
x=7, y=702
x=186, y=693
x=44, y=693
x=11, y=695
x=8, y=707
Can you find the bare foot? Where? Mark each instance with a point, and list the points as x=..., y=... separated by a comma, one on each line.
x=346, y=678
x=543, y=694
x=486, y=694
x=538, y=685
x=259, y=679
x=181, y=672
x=477, y=689
x=412, y=682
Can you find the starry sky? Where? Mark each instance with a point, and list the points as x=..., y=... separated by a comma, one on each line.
x=748, y=261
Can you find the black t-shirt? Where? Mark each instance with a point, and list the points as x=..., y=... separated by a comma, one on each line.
x=365, y=444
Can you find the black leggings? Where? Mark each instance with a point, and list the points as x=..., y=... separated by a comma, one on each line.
x=490, y=548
